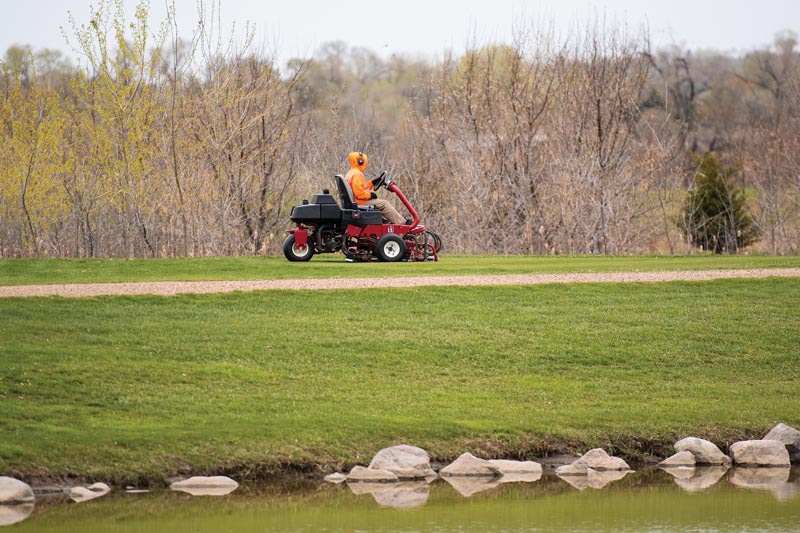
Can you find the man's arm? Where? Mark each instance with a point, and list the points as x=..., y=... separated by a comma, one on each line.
x=360, y=191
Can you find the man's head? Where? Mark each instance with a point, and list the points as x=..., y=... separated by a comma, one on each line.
x=357, y=160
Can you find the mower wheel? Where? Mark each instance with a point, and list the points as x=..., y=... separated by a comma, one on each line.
x=294, y=253
x=390, y=248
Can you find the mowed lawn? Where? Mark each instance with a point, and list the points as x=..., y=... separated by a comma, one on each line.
x=48, y=271
x=119, y=387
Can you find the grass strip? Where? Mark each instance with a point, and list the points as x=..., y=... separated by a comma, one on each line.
x=51, y=271
x=145, y=386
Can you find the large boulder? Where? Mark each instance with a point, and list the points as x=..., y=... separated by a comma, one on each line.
x=406, y=462
x=469, y=465
x=759, y=453
x=705, y=452
x=361, y=474
x=685, y=458
x=790, y=437
x=206, y=485
x=14, y=491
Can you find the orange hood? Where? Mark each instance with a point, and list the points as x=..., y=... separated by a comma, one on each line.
x=354, y=158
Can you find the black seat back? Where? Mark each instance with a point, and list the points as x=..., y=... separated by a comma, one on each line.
x=345, y=193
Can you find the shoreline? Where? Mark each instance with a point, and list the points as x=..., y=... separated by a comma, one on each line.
x=638, y=450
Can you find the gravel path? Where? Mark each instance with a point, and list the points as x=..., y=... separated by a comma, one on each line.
x=169, y=288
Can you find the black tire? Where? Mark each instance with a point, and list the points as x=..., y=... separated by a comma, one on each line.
x=293, y=254
x=390, y=248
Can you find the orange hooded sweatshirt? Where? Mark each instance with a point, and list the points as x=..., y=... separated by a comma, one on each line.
x=355, y=177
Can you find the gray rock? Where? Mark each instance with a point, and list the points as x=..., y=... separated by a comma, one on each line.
x=705, y=452
x=338, y=477
x=206, y=485
x=599, y=460
x=790, y=437
x=684, y=458
x=361, y=473
x=406, y=462
x=516, y=467
x=11, y=514
x=14, y=491
x=469, y=465
x=82, y=494
x=759, y=453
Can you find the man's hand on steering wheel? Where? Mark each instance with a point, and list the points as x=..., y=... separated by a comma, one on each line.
x=379, y=182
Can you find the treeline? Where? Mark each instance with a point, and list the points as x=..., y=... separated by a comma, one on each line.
x=154, y=146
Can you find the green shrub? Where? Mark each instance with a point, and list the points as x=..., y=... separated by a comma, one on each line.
x=715, y=215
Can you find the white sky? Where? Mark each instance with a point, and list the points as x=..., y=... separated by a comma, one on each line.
x=428, y=27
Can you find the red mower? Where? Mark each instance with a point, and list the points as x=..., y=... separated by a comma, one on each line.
x=357, y=230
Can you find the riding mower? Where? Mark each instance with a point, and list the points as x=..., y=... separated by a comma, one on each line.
x=357, y=230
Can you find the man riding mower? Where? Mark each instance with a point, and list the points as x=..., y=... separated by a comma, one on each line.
x=364, y=227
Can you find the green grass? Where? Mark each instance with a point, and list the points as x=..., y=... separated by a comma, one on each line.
x=48, y=271
x=120, y=387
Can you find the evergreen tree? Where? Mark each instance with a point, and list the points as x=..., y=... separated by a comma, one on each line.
x=715, y=215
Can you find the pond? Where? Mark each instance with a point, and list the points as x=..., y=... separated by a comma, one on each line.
x=650, y=500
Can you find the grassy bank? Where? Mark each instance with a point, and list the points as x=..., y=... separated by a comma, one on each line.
x=126, y=387
x=48, y=271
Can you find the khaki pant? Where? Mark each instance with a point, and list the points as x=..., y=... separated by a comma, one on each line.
x=388, y=212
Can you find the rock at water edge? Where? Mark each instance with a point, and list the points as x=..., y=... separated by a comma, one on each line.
x=206, y=485
x=337, y=477
x=361, y=473
x=685, y=458
x=705, y=452
x=14, y=491
x=469, y=465
x=599, y=460
x=406, y=462
x=790, y=437
x=759, y=453
x=516, y=467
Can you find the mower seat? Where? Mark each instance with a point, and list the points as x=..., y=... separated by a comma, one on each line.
x=352, y=213
x=346, y=196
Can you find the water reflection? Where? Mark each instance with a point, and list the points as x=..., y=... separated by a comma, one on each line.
x=649, y=500
x=11, y=514
x=595, y=479
x=467, y=486
x=774, y=480
x=703, y=478
x=402, y=495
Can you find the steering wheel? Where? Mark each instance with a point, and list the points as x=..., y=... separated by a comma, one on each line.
x=379, y=182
